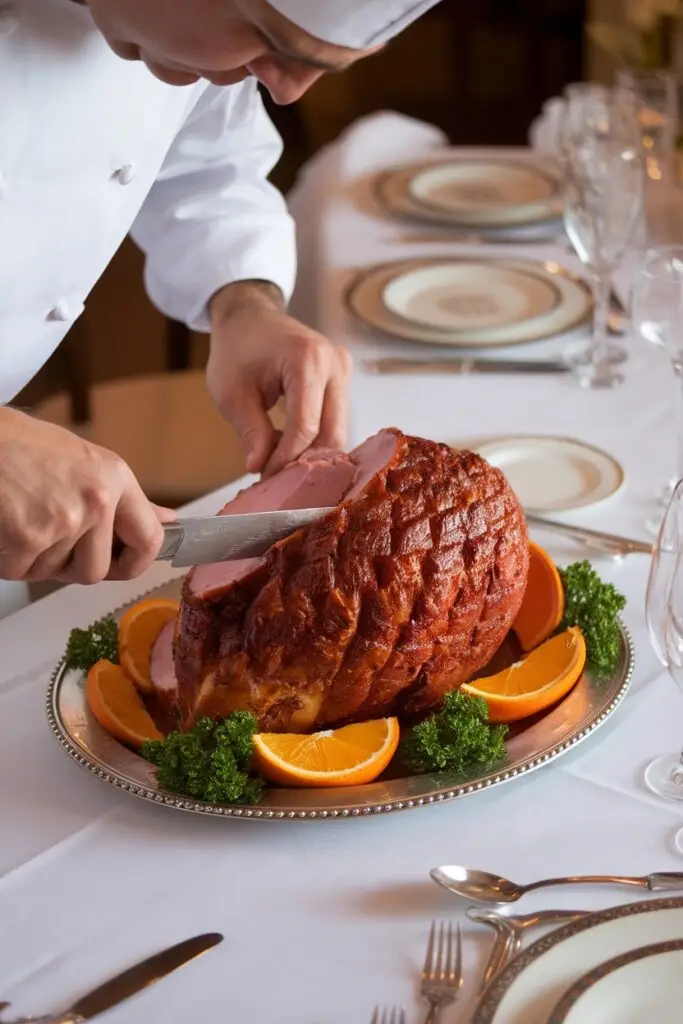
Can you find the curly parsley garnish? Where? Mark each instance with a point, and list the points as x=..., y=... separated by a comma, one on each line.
x=593, y=606
x=87, y=646
x=209, y=762
x=457, y=737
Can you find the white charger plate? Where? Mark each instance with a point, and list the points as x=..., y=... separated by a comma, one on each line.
x=554, y=474
x=463, y=297
x=486, y=191
x=644, y=984
x=532, y=985
x=366, y=299
x=402, y=191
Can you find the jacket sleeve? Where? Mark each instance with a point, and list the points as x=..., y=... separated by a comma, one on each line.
x=212, y=217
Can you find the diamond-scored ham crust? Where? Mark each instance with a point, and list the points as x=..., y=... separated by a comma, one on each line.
x=403, y=592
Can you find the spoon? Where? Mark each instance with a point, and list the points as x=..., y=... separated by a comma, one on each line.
x=488, y=888
x=510, y=930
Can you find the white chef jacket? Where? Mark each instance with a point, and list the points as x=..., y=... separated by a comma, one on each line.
x=93, y=147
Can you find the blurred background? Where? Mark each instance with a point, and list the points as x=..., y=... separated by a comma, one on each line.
x=479, y=69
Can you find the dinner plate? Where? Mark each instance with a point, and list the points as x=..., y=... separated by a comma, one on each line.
x=554, y=474
x=486, y=194
x=486, y=191
x=533, y=985
x=462, y=296
x=643, y=984
x=539, y=300
x=531, y=744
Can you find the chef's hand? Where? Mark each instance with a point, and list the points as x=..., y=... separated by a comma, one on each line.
x=258, y=354
x=62, y=502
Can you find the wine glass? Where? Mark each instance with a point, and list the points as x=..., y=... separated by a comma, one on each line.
x=657, y=315
x=664, y=615
x=603, y=193
x=656, y=94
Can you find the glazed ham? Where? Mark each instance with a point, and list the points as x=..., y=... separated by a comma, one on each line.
x=400, y=594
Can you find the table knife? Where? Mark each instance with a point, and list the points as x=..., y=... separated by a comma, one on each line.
x=605, y=541
x=207, y=539
x=129, y=982
x=396, y=364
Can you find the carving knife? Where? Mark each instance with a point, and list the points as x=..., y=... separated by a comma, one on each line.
x=132, y=981
x=207, y=539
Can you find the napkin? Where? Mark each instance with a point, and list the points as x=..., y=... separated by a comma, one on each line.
x=544, y=130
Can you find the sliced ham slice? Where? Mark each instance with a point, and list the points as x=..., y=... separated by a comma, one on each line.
x=162, y=669
x=316, y=481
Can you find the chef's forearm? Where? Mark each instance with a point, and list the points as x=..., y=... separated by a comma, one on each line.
x=240, y=294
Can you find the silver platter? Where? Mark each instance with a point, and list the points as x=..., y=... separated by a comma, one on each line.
x=543, y=739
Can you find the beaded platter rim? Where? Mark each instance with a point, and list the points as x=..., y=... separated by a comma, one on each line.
x=93, y=750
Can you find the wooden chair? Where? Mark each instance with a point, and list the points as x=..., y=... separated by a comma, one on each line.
x=163, y=424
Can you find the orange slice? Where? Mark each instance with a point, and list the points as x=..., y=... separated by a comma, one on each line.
x=350, y=756
x=117, y=705
x=138, y=629
x=543, y=604
x=537, y=681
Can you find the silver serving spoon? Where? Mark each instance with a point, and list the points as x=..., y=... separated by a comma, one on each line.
x=488, y=888
x=510, y=930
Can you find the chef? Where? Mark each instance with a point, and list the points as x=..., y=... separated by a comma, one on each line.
x=144, y=116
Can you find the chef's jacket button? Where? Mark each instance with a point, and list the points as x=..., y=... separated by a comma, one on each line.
x=60, y=311
x=8, y=19
x=126, y=174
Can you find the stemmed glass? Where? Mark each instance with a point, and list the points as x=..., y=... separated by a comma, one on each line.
x=664, y=614
x=603, y=193
x=656, y=94
x=657, y=315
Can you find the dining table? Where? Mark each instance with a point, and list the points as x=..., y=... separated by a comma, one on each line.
x=324, y=919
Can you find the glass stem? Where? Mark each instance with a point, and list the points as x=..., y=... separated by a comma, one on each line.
x=678, y=371
x=602, y=284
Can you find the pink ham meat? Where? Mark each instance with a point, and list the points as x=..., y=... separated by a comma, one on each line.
x=162, y=668
x=401, y=593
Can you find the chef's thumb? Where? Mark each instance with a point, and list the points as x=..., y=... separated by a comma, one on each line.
x=256, y=431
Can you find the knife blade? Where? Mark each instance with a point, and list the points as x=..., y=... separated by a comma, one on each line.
x=390, y=364
x=135, y=979
x=604, y=541
x=207, y=539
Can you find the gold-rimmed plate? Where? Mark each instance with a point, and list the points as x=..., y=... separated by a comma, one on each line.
x=531, y=988
x=552, y=302
x=643, y=984
x=531, y=744
x=461, y=296
x=486, y=193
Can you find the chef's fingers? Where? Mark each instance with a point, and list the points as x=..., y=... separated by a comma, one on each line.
x=32, y=557
x=165, y=515
x=304, y=398
x=335, y=415
x=52, y=564
x=91, y=558
x=137, y=531
x=248, y=415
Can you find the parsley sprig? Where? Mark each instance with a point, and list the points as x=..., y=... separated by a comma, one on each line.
x=457, y=737
x=85, y=647
x=209, y=762
x=593, y=606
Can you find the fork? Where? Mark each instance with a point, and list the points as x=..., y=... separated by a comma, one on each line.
x=389, y=1015
x=442, y=971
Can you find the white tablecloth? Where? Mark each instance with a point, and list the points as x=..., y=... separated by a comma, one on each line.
x=323, y=920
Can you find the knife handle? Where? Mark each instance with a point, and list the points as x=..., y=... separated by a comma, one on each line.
x=173, y=538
